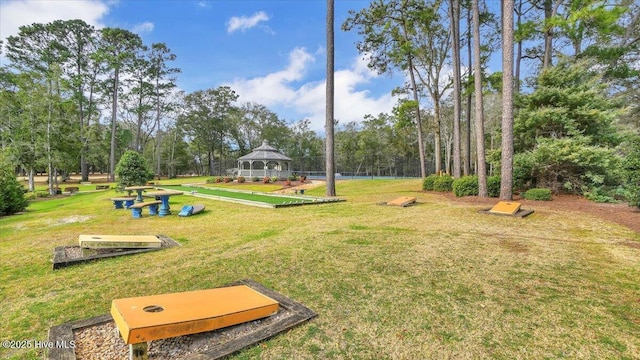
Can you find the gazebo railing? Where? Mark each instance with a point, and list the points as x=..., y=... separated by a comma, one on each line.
x=283, y=174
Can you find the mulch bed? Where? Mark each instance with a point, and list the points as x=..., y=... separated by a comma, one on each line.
x=64, y=256
x=622, y=214
x=98, y=338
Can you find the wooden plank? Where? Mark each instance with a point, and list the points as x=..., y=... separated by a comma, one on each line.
x=146, y=318
x=119, y=241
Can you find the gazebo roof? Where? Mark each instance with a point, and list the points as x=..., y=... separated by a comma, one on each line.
x=264, y=152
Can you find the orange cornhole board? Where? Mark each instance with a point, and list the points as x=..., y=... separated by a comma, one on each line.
x=402, y=201
x=146, y=318
x=119, y=241
x=504, y=207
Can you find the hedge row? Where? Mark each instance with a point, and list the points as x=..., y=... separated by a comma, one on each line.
x=468, y=186
x=464, y=186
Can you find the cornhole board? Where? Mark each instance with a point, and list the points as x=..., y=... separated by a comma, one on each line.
x=403, y=201
x=189, y=210
x=119, y=241
x=506, y=207
x=147, y=318
x=197, y=208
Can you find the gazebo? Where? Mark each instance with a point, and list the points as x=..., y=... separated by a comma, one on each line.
x=264, y=161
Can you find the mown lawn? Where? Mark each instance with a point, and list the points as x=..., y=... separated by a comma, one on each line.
x=240, y=195
x=436, y=280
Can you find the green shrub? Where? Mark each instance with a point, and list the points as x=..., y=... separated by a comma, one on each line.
x=465, y=186
x=493, y=186
x=30, y=195
x=241, y=179
x=42, y=193
x=443, y=183
x=274, y=179
x=631, y=172
x=600, y=195
x=132, y=170
x=211, y=180
x=538, y=194
x=427, y=183
x=12, y=198
x=255, y=179
x=292, y=178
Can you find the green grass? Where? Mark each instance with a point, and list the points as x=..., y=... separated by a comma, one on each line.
x=240, y=195
x=436, y=280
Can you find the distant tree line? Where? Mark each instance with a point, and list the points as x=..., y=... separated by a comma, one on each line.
x=74, y=99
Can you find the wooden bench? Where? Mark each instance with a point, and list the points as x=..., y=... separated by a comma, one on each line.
x=103, y=187
x=136, y=209
x=127, y=200
x=71, y=189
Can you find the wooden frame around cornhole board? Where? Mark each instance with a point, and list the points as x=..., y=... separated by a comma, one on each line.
x=61, y=259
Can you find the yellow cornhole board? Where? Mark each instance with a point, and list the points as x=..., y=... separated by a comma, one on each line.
x=504, y=207
x=147, y=318
x=119, y=241
x=402, y=201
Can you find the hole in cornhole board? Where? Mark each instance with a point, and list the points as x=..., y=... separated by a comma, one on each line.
x=508, y=208
x=98, y=337
x=64, y=256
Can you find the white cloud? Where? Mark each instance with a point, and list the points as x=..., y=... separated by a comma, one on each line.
x=14, y=14
x=145, y=27
x=274, y=88
x=279, y=89
x=244, y=23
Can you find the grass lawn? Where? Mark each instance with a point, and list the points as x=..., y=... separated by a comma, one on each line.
x=436, y=280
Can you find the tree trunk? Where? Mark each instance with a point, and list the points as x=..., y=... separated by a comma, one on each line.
x=479, y=105
x=330, y=91
x=454, y=12
x=423, y=165
x=210, y=156
x=31, y=179
x=438, y=138
x=114, y=109
x=518, y=50
x=467, y=136
x=548, y=34
x=506, y=180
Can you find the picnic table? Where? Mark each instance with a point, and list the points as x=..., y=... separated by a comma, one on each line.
x=163, y=195
x=139, y=190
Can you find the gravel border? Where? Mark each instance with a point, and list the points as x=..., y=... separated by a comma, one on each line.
x=67, y=255
x=97, y=337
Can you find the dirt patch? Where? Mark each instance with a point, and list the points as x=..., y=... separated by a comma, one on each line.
x=70, y=219
x=622, y=214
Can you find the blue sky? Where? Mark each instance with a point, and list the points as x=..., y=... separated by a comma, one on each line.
x=270, y=52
